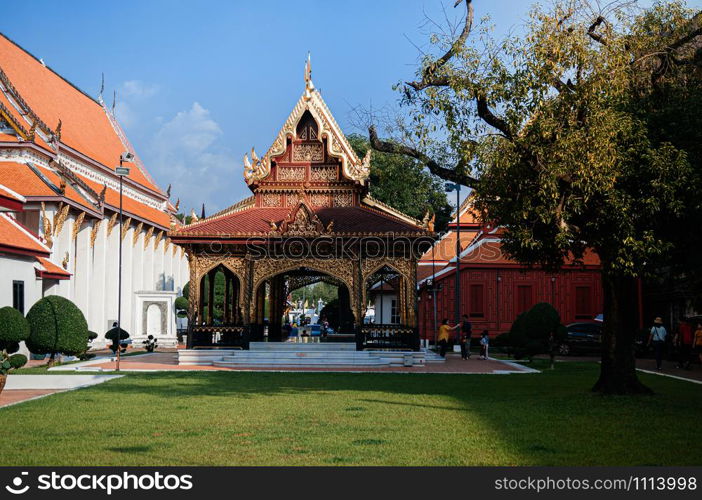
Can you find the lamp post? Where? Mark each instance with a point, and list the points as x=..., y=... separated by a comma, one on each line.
x=121, y=172
x=451, y=186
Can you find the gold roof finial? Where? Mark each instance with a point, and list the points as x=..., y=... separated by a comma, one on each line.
x=309, y=86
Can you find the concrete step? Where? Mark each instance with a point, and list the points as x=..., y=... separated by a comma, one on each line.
x=314, y=362
x=296, y=346
x=300, y=355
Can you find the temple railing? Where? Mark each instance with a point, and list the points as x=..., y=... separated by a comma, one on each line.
x=387, y=337
x=219, y=336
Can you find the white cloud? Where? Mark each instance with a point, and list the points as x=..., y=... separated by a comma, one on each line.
x=139, y=89
x=186, y=152
x=131, y=95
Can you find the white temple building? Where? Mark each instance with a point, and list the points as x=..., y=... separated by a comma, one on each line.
x=59, y=199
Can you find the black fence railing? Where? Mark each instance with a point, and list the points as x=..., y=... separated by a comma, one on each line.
x=219, y=336
x=387, y=337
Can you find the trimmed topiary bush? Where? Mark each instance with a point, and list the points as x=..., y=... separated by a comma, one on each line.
x=17, y=361
x=56, y=326
x=116, y=335
x=13, y=329
x=536, y=331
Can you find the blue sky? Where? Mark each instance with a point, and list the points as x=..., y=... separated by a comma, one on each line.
x=199, y=83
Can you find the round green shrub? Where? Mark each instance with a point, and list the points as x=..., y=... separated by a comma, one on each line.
x=13, y=329
x=532, y=329
x=18, y=361
x=56, y=326
x=181, y=303
x=92, y=335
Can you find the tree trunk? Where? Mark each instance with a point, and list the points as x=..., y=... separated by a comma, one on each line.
x=52, y=360
x=3, y=379
x=618, y=368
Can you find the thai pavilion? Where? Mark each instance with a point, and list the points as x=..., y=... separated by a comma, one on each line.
x=310, y=219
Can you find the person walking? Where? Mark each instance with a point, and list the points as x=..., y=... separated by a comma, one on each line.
x=443, y=337
x=697, y=342
x=484, y=345
x=657, y=338
x=466, y=334
x=683, y=341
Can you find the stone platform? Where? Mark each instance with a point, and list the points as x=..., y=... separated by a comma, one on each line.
x=283, y=354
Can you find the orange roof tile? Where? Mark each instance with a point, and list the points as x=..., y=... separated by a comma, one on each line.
x=51, y=270
x=445, y=248
x=487, y=250
x=14, y=238
x=20, y=178
x=85, y=124
x=130, y=205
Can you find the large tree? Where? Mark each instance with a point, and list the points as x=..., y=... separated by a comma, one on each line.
x=550, y=129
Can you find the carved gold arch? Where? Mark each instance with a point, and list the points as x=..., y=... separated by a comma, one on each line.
x=340, y=269
x=406, y=294
x=201, y=265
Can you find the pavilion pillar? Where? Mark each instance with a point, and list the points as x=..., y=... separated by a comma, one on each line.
x=260, y=303
x=227, y=302
x=210, y=296
x=345, y=314
x=201, y=300
x=235, y=299
x=273, y=326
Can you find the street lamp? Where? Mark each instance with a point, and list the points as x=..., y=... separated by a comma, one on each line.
x=454, y=186
x=121, y=172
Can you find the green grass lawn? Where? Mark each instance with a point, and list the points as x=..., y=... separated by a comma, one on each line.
x=227, y=418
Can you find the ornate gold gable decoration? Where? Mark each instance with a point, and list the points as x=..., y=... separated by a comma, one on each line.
x=301, y=222
x=76, y=225
x=311, y=100
x=137, y=232
x=46, y=226
x=94, y=232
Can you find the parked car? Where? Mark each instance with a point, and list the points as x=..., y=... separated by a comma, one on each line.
x=582, y=338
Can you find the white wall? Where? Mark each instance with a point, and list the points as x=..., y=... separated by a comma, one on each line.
x=383, y=308
x=94, y=281
x=19, y=268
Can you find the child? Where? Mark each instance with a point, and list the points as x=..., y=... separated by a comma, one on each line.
x=484, y=344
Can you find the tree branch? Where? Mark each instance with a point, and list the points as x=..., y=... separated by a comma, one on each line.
x=490, y=118
x=429, y=78
x=593, y=34
x=451, y=174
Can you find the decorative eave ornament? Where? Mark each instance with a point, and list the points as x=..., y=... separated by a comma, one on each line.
x=352, y=166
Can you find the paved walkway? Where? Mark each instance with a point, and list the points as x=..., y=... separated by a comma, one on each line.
x=168, y=361
x=13, y=396
x=21, y=388
x=670, y=368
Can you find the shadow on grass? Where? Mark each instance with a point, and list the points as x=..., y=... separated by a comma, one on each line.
x=549, y=418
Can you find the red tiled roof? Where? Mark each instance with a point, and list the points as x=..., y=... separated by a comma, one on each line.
x=51, y=270
x=256, y=221
x=14, y=238
x=85, y=125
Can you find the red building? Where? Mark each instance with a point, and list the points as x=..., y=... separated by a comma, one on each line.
x=494, y=288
